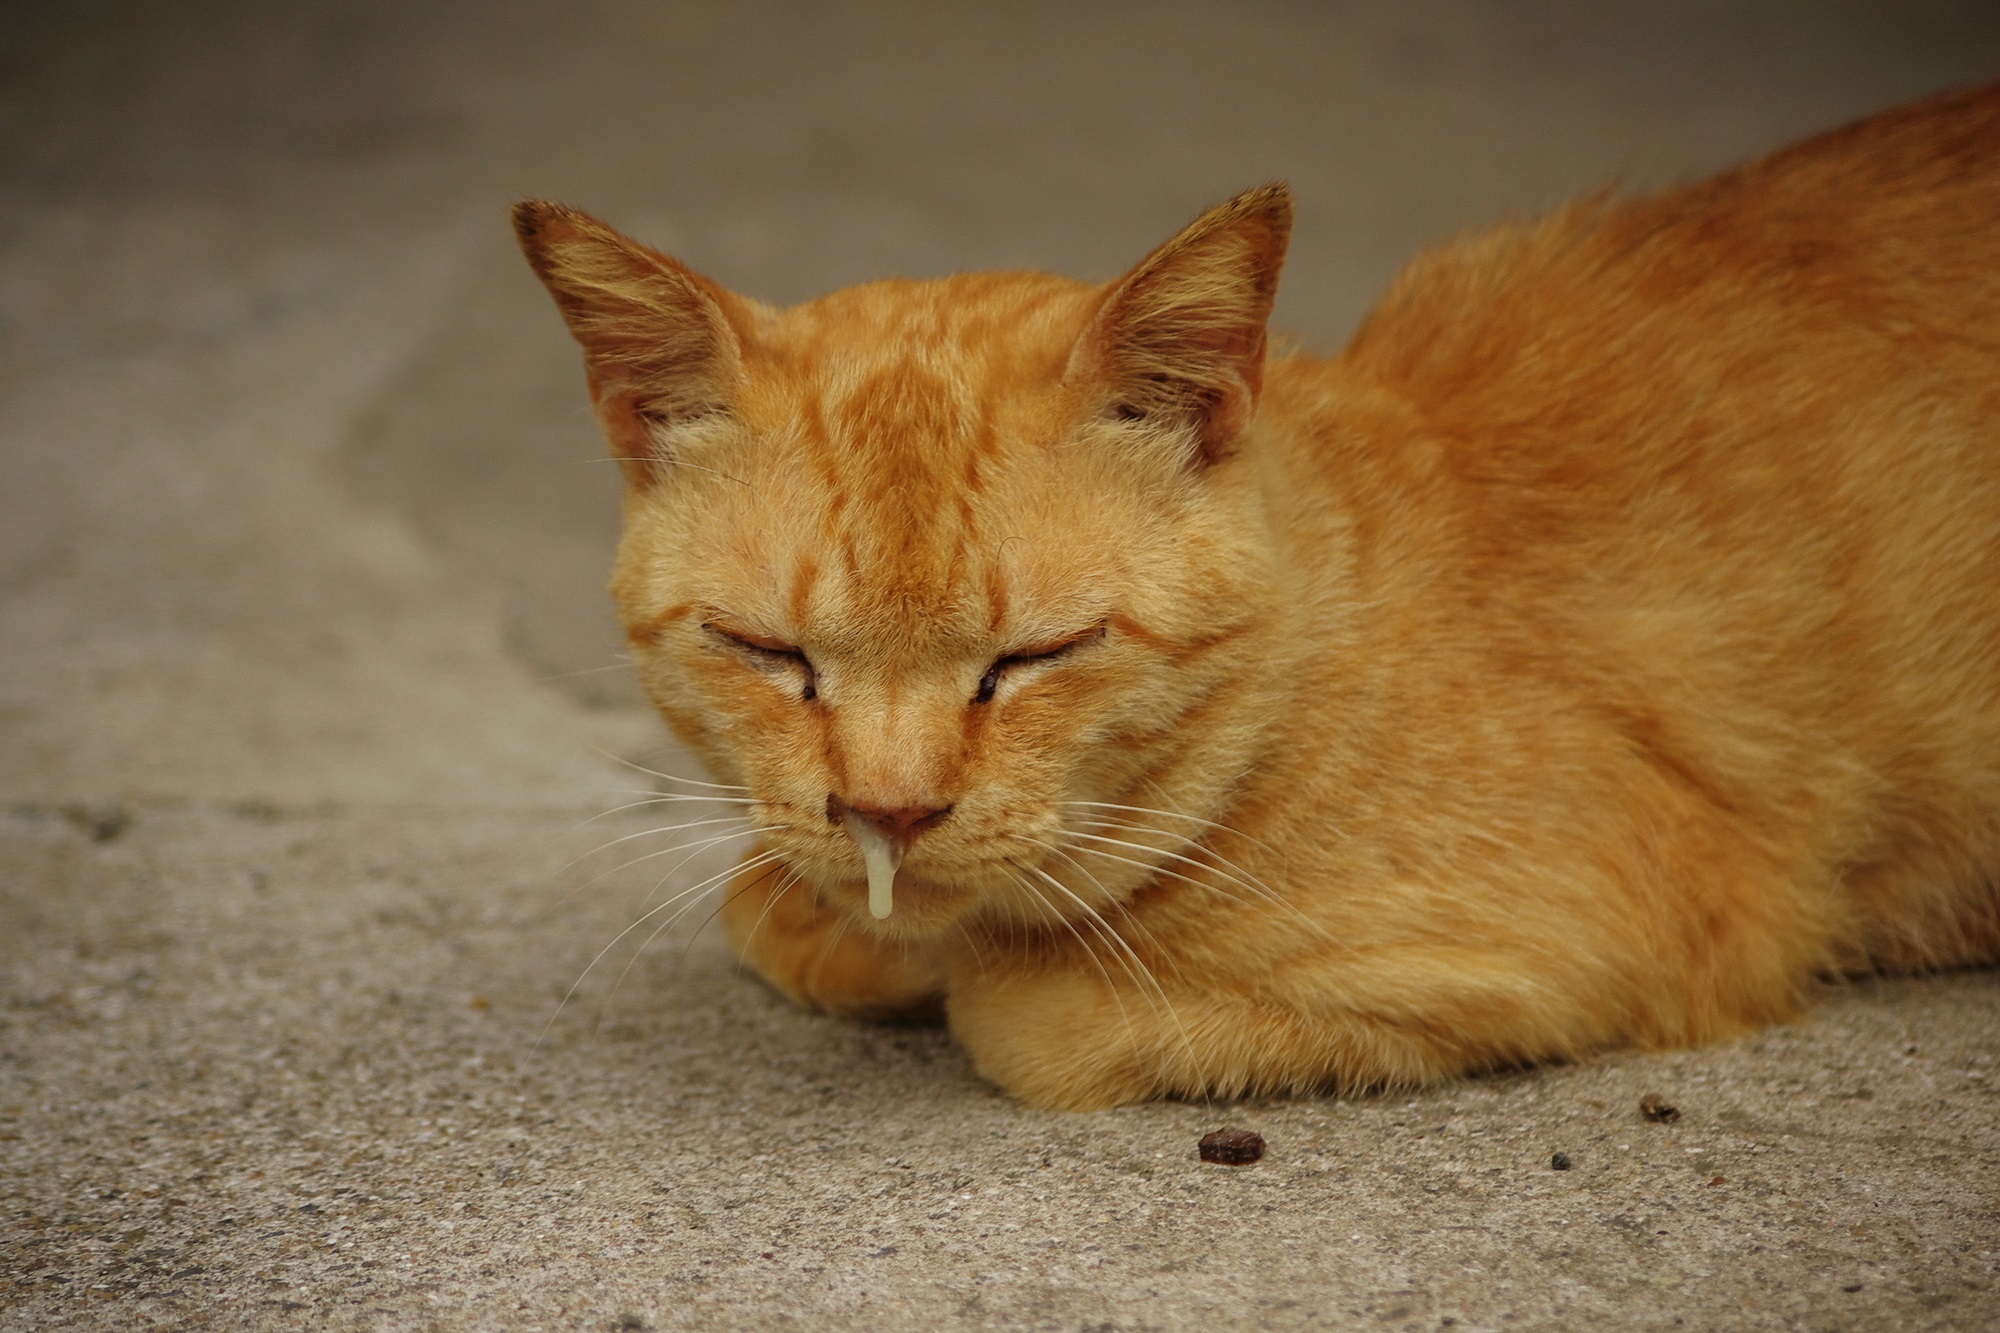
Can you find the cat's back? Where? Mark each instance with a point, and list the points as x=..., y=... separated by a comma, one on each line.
x=1707, y=481
x=1884, y=233
x=1783, y=381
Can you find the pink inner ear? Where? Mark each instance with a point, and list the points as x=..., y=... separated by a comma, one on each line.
x=1181, y=339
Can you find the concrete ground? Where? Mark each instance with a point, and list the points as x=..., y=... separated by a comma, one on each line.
x=307, y=686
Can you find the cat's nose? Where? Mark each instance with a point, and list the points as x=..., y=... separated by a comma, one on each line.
x=900, y=822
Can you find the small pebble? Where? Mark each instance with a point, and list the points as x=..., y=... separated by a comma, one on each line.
x=1654, y=1107
x=1560, y=1161
x=1232, y=1147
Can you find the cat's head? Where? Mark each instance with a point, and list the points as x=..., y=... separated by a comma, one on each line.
x=932, y=567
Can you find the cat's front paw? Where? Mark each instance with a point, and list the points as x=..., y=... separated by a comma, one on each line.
x=1069, y=1039
x=822, y=960
x=1060, y=1040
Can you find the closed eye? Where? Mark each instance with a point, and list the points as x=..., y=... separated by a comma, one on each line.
x=769, y=653
x=990, y=682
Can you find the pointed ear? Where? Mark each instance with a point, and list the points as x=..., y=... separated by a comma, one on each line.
x=1179, y=341
x=662, y=345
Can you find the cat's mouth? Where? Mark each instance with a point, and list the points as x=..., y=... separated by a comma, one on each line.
x=908, y=885
x=896, y=896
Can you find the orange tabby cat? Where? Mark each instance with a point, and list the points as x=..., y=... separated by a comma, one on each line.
x=1606, y=643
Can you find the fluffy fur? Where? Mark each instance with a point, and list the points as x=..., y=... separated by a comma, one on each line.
x=1602, y=646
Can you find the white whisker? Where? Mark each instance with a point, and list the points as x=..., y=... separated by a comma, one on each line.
x=1103, y=929
x=1255, y=895
x=1090, y=953
x=1113, y=899
x=726, y=900
x=666, y=798
x=825, y=952
x=671, y=777
x=1130, y=826
x=663, y=828
x=1243, y=879
x=786, y=882
x=1169, y=814
x=624, y=664
x=1253, y=885
x=973, y=944
x=1120, y=942
x=658, y=931
x=689, y=847
x=627, y=931
x=763, y=862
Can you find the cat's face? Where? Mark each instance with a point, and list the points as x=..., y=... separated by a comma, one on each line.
x=917, y=557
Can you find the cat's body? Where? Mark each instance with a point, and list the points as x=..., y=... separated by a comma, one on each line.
x=1602, y=646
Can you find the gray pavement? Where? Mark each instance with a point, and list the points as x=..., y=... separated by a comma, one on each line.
x=307, y=687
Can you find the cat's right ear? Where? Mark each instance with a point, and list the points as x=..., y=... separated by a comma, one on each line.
x=662, y=345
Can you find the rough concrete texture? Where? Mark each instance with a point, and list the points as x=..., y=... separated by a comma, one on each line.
x=302, y=699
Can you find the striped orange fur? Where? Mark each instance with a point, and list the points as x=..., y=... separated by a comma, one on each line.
x=1602, y=646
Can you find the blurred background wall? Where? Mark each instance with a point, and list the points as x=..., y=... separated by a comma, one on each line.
x=195, y=171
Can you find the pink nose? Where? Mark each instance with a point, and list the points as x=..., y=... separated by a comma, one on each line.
x=902, y=822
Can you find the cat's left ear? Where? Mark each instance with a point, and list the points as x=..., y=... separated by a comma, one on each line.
x=662, y=345
x=1180, y=340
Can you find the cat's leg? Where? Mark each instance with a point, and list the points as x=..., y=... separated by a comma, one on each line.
x=821, y=958
x=1072, y=1037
